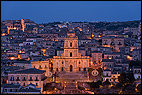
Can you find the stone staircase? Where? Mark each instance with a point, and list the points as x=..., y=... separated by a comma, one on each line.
x=71, y=76
x=71, y=88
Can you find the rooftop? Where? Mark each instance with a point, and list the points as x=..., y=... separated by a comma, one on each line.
x=28, y=71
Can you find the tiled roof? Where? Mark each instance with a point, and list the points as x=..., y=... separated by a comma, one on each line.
x=11, y=85
x=108, y=60
x=28, y=71
x=107, y=70
x=96, y=52
x=28, y=90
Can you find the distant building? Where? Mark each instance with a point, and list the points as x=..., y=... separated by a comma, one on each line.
x=18, y=89
x=137, y=72
x=27, y=76
x=114, y=42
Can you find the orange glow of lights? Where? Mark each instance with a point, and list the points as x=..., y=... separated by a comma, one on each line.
x=6, y=81
x=129, y=58
x=20, y=51
x=3, y=34
x=12, y=58
x=100, y=36
x=14, y=27
x=92, y=35
x=80, y=29
x=109, y=58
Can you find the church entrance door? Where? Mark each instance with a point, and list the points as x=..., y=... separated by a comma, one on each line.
x=70, y=68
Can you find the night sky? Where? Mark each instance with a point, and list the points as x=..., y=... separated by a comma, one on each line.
x=49, y=11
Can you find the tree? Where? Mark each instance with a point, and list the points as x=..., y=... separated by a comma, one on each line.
x=122, y=78
x=93, y=85
x=99, y=82
x=118, y=85
x=131, y=78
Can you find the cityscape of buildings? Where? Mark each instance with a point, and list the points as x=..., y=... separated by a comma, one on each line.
x=69, y=58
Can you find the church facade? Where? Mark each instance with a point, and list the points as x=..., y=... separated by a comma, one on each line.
x=71, y=60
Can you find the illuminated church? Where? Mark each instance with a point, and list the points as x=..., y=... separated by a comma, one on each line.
x=71, y=60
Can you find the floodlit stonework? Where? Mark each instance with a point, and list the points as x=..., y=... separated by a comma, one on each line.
x=71, y=60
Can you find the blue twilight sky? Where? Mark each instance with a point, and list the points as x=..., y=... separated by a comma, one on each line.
x=49, y=11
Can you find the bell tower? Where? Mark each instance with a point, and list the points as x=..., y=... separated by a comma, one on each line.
x=71, y=45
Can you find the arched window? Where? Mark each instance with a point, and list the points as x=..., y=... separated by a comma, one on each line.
x=84, y=69
x=31, y=79
x=24, y=79
x=71, y=54
x=62, y=62
x=79, y=62
x=24, y=84
x=45, y=66
x=70, y=44
x=62, y=69
x=40, y=67
x=56, y=69
x=79, y=69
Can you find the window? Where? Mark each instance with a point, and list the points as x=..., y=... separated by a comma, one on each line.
x=62, y=69
x=71, y=44
x=24, y=84
x=5, y=90
x=12, y=79
x=79, y=69
x=18, y=79
x=31, y=79
x=24, y=79
x=45, y=66
x=62, y=62
x=36, y=84
x=10, y=90
x=79, y=62
x=40, y=67
x=84, y=69
x=71, y=54
x=36, y=79
x=56, y=69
